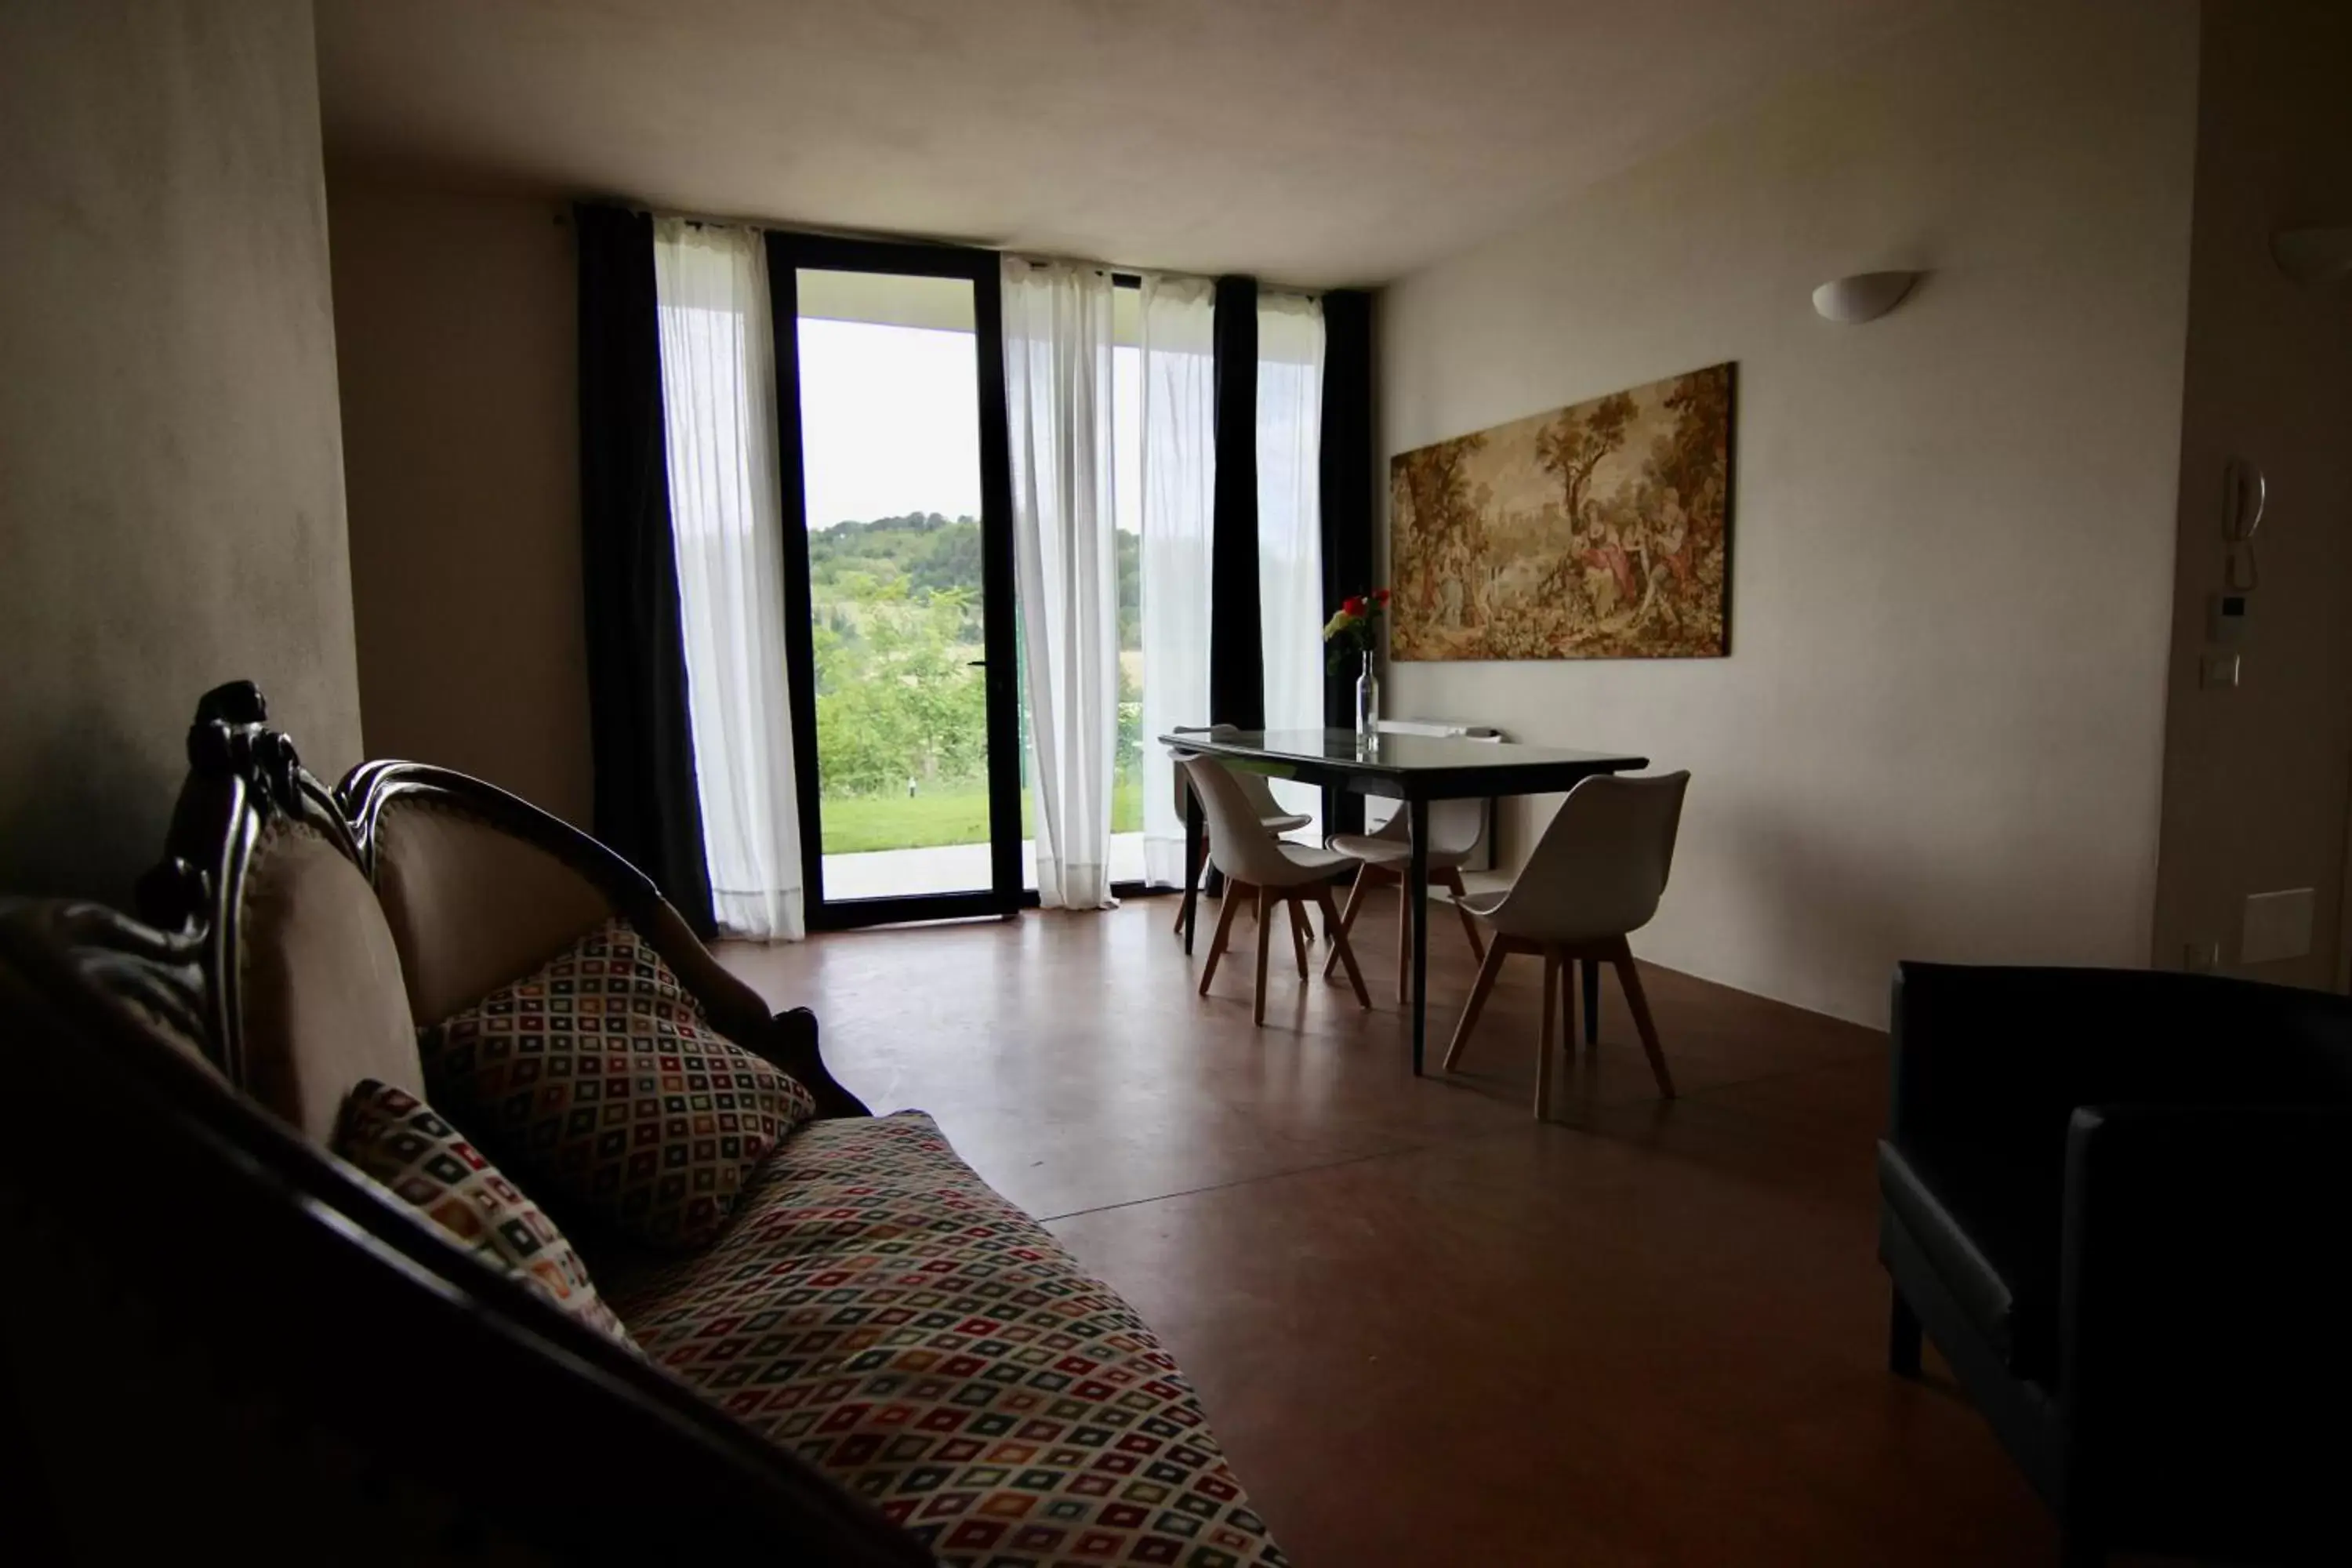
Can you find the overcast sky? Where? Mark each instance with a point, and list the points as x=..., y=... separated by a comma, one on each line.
x=890, y=423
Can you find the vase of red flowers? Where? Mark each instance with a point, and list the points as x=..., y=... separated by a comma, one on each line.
x=1354, y=635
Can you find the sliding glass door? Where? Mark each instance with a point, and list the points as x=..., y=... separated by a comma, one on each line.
x=898, y=570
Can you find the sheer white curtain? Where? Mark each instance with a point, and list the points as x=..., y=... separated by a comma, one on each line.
x=718, y=414
x=1177, y=346
x=1290, y=523
x=1057, y=394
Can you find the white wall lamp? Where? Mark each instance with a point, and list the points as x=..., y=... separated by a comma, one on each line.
x=2316, y=256
x=1864, y=297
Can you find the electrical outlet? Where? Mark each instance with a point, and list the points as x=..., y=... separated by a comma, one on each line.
x=2217, y=671
x=2277, y=926
x=2202, y=957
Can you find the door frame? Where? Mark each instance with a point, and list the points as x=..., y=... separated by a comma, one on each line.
x=787, y=254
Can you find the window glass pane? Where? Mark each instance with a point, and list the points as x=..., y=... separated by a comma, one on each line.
x=890, y=444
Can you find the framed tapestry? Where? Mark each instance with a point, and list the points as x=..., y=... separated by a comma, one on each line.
x=1598, y=531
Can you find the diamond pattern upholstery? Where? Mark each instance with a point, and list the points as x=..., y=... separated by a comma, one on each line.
x=878, y=1309
x=599, y=1080
x=399, y=1142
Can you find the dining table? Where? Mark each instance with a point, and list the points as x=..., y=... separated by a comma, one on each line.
x=1411, y=769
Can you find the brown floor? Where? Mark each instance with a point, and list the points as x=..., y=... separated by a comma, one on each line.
x=1428, y=1329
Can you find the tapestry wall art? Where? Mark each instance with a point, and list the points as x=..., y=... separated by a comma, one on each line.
x=1598, y=531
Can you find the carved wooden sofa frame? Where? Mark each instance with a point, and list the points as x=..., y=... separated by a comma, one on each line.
x=221, y=1334
x=297, y=940
x=247, y=782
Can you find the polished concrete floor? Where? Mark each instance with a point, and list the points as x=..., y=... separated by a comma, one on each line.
x=1428, y=1329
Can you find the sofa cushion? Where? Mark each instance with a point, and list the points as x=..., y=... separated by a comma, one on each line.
x=321, y=1003
x=878, y=1309
x=1990, y=1225
x=395, y=1138
x=598, y=1081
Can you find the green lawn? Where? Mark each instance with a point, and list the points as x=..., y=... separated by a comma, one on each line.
x=957, y=813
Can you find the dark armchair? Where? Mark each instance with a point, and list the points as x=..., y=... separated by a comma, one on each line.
x=2120, y=1203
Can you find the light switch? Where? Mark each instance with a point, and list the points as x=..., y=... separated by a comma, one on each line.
x=2217, y=670
x=2278, y=925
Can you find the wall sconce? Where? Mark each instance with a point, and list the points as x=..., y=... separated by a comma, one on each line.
x=1864, y=297
x=2313, y=255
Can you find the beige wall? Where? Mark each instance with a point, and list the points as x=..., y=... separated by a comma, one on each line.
x=171, y=473
x=1939, y=730
x=2257, y=780
x=457, y=321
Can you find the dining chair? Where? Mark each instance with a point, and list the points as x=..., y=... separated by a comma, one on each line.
x=1270, y=811
x=1264, y=869
x=1594, y=879
x=1455, y=829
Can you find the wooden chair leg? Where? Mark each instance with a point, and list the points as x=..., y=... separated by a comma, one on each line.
x=1227, y=907
x=1365, y=878
x=1345, y=916
x=1339, y=948
x=1490, y=968
x=1639, y=1003
x=1292, y=901
x=1450, y=877
x=1544, y=1040
x=1265, y=943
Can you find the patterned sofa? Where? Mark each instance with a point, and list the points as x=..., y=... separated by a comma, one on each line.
x=900, y=1362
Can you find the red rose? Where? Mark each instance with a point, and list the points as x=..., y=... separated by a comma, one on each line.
x=1352, y=607
x=1380, y=596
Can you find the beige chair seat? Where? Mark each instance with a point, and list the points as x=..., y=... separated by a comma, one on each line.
x=1315, y=864
x=1381, y=851
x=1482, y=903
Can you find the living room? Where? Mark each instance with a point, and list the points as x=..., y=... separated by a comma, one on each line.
x=350, y=340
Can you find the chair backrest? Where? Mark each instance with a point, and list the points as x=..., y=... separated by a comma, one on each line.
x=1455, y=826
x=1254, y=785
x=1184, y=785
x=1239, y=843
x=1602, y=865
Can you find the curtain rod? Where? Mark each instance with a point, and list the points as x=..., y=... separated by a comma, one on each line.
x=1121, y=277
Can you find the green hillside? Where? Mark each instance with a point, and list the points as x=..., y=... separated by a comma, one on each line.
x=901, y=705
x=932, y=552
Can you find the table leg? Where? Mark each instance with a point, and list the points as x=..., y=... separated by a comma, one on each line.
x=1193, y=829
x=1416, y=896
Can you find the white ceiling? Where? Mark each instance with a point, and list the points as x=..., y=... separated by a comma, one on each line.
x=1321, y=144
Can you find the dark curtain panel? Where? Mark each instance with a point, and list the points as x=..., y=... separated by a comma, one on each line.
x=1348, y=503
x=1236, y=636
x=642, y=738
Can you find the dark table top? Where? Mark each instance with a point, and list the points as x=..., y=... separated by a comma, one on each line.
x=1407, y=767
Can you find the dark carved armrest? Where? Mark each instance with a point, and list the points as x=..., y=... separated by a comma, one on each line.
x=789, y=1040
